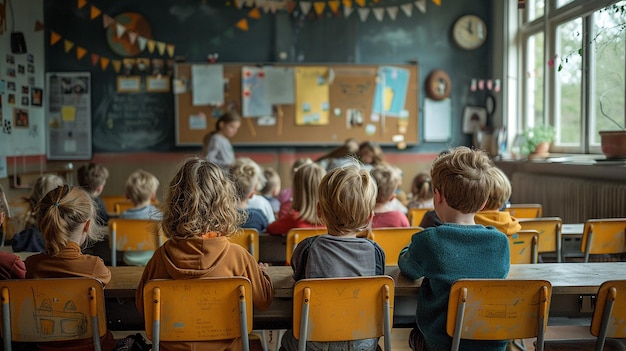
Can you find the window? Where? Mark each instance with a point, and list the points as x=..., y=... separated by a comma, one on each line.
x=535, y=79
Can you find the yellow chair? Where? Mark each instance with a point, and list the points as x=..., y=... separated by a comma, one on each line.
x=603, y=236
x=111, y=200
x=133, y=235
x=341, y=309
x=393, y=240
x=248, y=238
x=296, y=235
x=523, y=246
x=549, y=229
x=498, y=309
x=55, y=309
x=525, y=210
x=222, y=310
x=416, y=215
x=122, y=206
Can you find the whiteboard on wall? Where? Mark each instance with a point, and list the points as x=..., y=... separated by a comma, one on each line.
x=68, y=115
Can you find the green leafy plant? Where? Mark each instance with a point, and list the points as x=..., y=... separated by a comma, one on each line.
x=535, y=136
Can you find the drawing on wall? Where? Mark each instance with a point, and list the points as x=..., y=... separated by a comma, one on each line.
x=391, y=88
x=20, y=118
x=253, y=92
x=36, y=96
x=312, y=87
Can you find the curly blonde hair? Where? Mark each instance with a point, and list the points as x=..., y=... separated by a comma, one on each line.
x=246, y=175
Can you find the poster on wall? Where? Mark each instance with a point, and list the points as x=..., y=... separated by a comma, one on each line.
x=68, y=115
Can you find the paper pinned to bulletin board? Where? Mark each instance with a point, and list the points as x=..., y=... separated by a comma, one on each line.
x=391, y=89
x=253, y=89
x=312, y=88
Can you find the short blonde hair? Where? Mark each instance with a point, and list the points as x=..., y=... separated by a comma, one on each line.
x=347, y=197
x=500, y=190
x=141, y=186
x=387, y=180
x=464, y=178
x=91, y=176
x=201, y=199
x=306, y=183
x=272, y=181
x=245, y=174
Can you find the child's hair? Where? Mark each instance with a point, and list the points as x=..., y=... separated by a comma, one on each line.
x=306, y=183
x=500, y=190
x=246, y=176
x=422, y=187
x=347, y=196
x=201, y=199
x=61, y=212
x=299, y=163
x=464, y=177
x=141, y=186
x=4, y=204
x=387, y=179
x=375, y=150
x=225, y=118
x=272, y=182
x=91, y=176
x=349, y=148
x=41, y=187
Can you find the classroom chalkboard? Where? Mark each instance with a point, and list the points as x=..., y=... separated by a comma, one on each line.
x=366, y=102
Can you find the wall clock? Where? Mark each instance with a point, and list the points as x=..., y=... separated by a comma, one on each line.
x=469, y=32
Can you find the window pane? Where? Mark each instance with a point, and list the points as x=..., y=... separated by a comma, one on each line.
x=534, y=79
x=535, y=9
x=560, y=3
x=568, y=93
x=608, y=54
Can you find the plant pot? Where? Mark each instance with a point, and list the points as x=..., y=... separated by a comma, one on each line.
x=542, y=150
x=613, y=143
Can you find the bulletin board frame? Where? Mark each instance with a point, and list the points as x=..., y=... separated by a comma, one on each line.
x=352, y=89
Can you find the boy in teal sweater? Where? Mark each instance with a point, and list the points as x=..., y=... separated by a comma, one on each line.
x=457, y=249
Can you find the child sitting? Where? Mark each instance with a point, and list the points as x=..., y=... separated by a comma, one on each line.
x=272, y=188
x=286, y=195
x=421, y=191
x=456, y=249
x=245, y=178
x=498, y=196
x=256, y=201
x=347, y=196
x=384, y=215
x=92, y=178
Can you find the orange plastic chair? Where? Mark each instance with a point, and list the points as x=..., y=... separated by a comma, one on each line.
x=416, y=215
x=393, y=240
x=296, y=235
x=52, y=309
x=341, y=309
x=248, y=238
x=525, y=210
x=549, y=229
x=603, y=236
x=498, y=309
x=111, y=200
x=523, y=246
x=133, y=235
x=222, y=310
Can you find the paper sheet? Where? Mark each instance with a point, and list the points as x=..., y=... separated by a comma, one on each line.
x=207, y=85
x=437, y=119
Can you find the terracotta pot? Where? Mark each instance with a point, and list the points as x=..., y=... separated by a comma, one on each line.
x=613, y=143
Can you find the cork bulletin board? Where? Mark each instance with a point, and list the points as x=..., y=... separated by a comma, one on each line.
x=328, y=104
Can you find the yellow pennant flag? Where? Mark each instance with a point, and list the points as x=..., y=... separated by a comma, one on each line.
x=319, y=7
x=334, y=5
x=243, y=25
x=95, y=12
x=254, y=13
x=360, y=2
x=80, y=52
x=151, y=45
x=68, y=45
x=347, y=3
x=117, y=65
x=161, y=47
x=437, y=2
x=54, y=38
x=170, y=50
x=81, y=3
x=104, y=63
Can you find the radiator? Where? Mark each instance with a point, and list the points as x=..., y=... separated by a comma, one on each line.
x=573, y=199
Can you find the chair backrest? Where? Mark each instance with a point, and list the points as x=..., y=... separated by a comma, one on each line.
x=416, y=214
x=393, y=240
x=122, y=206
x=341, y=309
x=603, y=236
x=296, y=235
x=133, y=235
x=52, y=309
x=498, y=309
x=525, y=210
x=549, y=230
x=111, y=200
x=523, y=246
x=248, y=238
x=610, y=312
x=198, y=310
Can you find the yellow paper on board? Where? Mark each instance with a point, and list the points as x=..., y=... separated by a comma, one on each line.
x=68, y=113
x=312, y=91
x=387, y=98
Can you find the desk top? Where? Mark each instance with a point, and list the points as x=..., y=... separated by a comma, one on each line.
x=566, y=278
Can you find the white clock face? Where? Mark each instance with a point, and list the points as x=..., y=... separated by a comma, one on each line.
x=469, y=32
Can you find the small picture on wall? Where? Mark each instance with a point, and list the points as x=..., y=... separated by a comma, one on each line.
x=10, y=71
x=31, y=68
x=10, y=59
x=36, y=96
x=30, y=58
x=24, y=89
x=25, y=100
x=21, y=69
x=11, y=99
x=11, y=86
x=20, y=118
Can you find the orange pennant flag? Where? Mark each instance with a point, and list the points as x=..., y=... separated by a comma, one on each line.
x=347, y=3
x=360, y=2
x=254, y=13
x=80, y=52
x=170, y=50
x=334, y=5
x=95, y=12
x=38, y=26
x=104, y=63
x=54, y=38
x=319, y=7
x=151, y=45
x=437, y=2
x=117, y=65
x=107, y=20
x=68, y=45
x=94, y=59
x=242, y=24
x=81, y=3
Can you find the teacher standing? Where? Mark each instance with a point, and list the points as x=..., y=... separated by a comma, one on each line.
x=216, y=146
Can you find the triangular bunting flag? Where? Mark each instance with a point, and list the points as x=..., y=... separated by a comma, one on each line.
x=104, y=63
x=151, y=45
x=291, y=5
x=68, y=45
x=392, y=11
x=360, y=2
x=38, y=26
x=347, y=11
x=132, y=36
x=81, y=3
x=161, y=47
x=94, y=59
x=421, y=5
x=437, y=2
x=229, y=33
x=170, y=49
x=363, y=13
x=250, y=2
x=117, y=65
x=242, y=24
x=80, y=52
x=120, y=30
x=266, y=7
x=319, y=7
x=274, y=7
x=347, y=3
x=107, y=20
x=239, y=3
x=407, y=9
x=254, y=13
x=305, y=7
x=379, y=13
x=95, y=12
x=54, y=38
x=216, y=41
x=334, y=5
x=142, y=42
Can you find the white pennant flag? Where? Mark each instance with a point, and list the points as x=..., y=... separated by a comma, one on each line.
x=239, y=3
x=305, y=7
x=142, y=41
x=120, y=30
x=132, y=36
x=392, y=11
x=379, y=13
x=407, y=9
x=250, y=3
x=265, y=6
x=421, y=5
x=347, y=11
x=364, y=12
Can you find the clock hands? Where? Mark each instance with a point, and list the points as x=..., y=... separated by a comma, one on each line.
x=469, y=27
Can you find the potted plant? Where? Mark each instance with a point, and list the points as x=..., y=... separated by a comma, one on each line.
x=537, y=141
